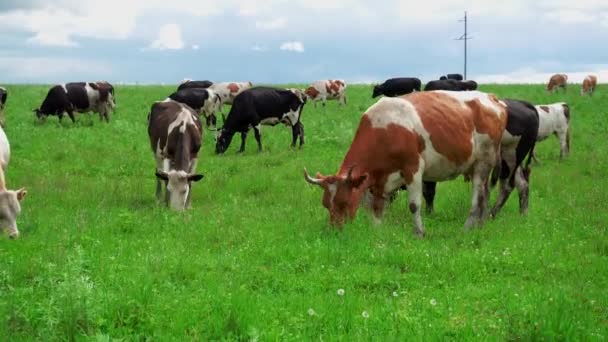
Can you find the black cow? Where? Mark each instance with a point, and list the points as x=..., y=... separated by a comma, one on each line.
x=79, y=97
x=203, y=101
x=262, y=106
x=453, y=85
x=468, y=85
x=457, y=77
x=397, y=86
x=3, y=97
x=188, y=84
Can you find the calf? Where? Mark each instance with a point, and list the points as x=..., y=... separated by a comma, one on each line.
x=3, y=97
x=175, y=134
x=589, y=84
x=187, y=84
x=262, y=106
x=228, y=91
x=557, y=81
x=10, y=207
x=327, y=90
x=203, y=101
x=423, y=136
x=555, y=119
x=79, y=97
x=397, y=87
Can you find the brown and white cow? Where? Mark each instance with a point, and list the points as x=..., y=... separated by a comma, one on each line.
x=589, y=84
x=557, y=81
x=327, y=90
x=423, y=136
x=555, y=119
x=175, y=133
x=229, y=90
x=10, y=207
x=79, y=97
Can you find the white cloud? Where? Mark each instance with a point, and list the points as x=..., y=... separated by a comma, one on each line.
x=259, y=48
x=532, y=75
x=169, y=38
x=294, y=46
x=195, y=47
x=273, y=24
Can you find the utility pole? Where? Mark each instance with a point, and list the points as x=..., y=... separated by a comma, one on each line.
x=464, y=38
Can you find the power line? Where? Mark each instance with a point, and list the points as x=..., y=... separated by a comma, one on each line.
x=464, y=38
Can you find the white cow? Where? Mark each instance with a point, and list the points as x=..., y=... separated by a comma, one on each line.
x=555, y=119
x=9, y=199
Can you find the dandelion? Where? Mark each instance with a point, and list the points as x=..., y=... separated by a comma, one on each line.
x=340, y=292
x=365, y=314
x=395, y=294
x=311, y=312
x=433, y=302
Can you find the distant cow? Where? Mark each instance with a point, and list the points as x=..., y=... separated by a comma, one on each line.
x=10, y=207
x=78, y=97
x=557, y=81
x=3, y=98
x=327, y=90
x=450, y=85
x=397, y=87
x=457, y=77
x=262, y=106
x=175, y=137
x=228, y=91
x=203, y=101
x=187, y=84
x=589, y=84
x=423, y=136
x=555, y=119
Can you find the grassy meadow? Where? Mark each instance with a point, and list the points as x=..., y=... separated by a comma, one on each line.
x=255, y=259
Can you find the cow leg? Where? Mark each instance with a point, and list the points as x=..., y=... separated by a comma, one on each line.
x=428, y=191
x=258, y=137
x=301, y=133
x=522, y=182
x=243, y=138
x=480, y=194
x=71, y=115
x=508, y=161
x=295, y=133
x=414, y=191
x=564, y=142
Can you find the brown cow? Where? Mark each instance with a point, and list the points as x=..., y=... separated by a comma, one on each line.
x=327, y=90
x=589, y=84
x=427, y=136
x=557, y=81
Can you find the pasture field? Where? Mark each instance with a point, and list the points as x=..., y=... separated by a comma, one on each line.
x=255, y=259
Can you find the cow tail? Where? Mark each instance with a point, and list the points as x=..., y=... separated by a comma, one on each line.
x=568, y=139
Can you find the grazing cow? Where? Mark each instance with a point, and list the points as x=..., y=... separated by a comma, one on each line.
x=457, y=77
x=557, y=81
x=589, y=84
x=451, y=85
x=10, y=207
x=3, y=97
x=228, y=91
x=175, y=137
x=423, y=136
x=262, y=106
x=203, y=101
x=327, y=90
x=397, y=87
x=81, y=97
x=187, y=84
x=555, y=119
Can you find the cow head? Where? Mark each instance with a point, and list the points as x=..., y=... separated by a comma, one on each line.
x=377, y=91
x=39, y=113
x=178, y=186
x=10, y=208
x=341, y=194
x=223, y=141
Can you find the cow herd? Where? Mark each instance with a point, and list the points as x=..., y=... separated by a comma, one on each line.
x=410, y=139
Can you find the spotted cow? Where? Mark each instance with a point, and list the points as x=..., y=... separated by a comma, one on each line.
x=228, y=91
x=327, y=90
x=175, y=134
x=423, y=136
x=79, y=97
x=188, y=83
x=10, y=206
x=555, y=119
x=557, y=81
x=589, y=84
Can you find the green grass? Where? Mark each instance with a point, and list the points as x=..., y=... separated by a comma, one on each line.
x=99, y=258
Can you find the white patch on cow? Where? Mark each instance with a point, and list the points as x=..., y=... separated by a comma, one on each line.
x=552, y=122
x=184, y=118
x=64, y=87
x=484, y=99
x=92, y=95
x=332, y=188
x=393, y=182
x=293, y=116
x=178, y=188
x=268, y=121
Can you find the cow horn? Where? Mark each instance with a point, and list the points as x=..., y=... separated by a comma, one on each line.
x=315, y=181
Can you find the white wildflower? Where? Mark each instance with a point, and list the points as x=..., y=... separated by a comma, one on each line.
x=311, y=312
x=340, y=292
x=365, y=314
x=433, y=302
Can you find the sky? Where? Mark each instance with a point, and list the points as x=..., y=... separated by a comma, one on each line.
x=299, y=41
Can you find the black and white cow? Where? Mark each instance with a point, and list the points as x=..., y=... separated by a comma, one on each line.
x=187, y=84
x=457, y=77
x=555, y=119
x=175, y=133
x=517, y=142
x=397, y=86
x=79, y=97
x=262, y=106
x=3, y=98
x=203, y=101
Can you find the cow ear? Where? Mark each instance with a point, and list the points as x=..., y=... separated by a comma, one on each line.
x=21, y=193
x=195, y=178
x=358, y=181
x=162, y=175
